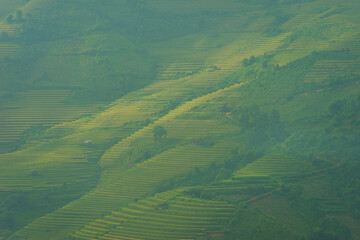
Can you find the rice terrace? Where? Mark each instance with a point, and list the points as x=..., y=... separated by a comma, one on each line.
x=179, y=120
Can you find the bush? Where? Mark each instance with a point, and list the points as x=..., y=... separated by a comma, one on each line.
x=159, y=132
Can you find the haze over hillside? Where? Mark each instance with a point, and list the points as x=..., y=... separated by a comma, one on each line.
x=169, y=119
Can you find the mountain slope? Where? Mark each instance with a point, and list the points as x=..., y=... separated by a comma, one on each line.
x=247, y=106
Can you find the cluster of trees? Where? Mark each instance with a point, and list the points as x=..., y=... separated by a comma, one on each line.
x=19, y=18
x=345, y=182
x=32, y=133
x=259, y=127
x=15, y=72
x=346, y=110
x=338, y=138
x=10, y=205
x=252, y=224
x=274, y=27
x=331, y=229
x=248, y=62
x=342, y=80
x=159, y=132
x=6, y=220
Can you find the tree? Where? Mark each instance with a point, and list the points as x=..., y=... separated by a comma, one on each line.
x=337, y=107
x=246, y=62
x=159, y=132
x=7, y=220
x=274, y=117
x=10, y=19
x=19, y=15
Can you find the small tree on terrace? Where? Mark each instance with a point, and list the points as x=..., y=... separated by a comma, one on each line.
x=10, y=19
x=159, y=132
x=19, y=15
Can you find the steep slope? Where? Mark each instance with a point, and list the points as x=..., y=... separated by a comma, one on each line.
x=112, y=168
x=283, y=167
x=208, y=115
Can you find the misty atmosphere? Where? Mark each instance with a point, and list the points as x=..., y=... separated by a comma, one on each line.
x=179, y=120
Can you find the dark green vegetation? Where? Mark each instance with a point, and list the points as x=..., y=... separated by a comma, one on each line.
x=169, y=119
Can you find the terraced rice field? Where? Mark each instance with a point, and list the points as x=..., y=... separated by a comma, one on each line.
x=114, y=153
x=145, y=177
x=319, y=14
x=244, y=189
x=303, y=18
x=207, y=56
x=306, y=13
x=34, y=5
x=9, y=28
x=174, y=71
x=53, y=175
x=187, y=55
x=191, y=129
x=162, y=91
x=306, y=45
x=72, y=149
x=8, y=49
x=58, y=160
x=267, y=173
x=189, y=5
x=328, y=202
x=322, y=70
x=199, y=54
x=353, y=44
x=38, y=107
x=164, y=216
x=273, y=165
x=127, y=185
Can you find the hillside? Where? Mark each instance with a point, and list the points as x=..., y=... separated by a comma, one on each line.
x=179, y=119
